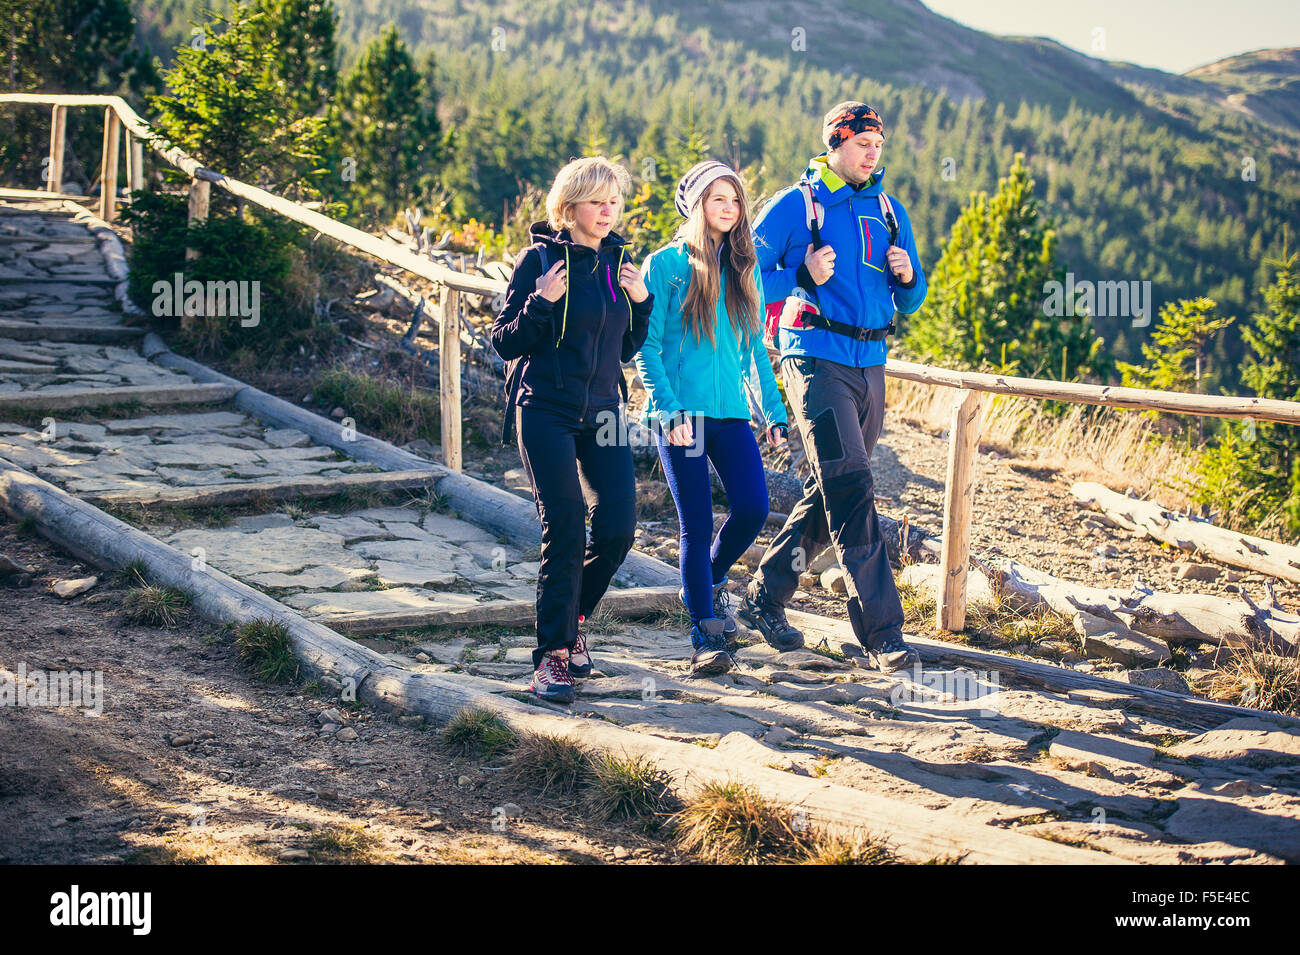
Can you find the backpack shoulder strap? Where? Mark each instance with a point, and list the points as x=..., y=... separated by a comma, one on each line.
x=887, y=213
x=810, y=212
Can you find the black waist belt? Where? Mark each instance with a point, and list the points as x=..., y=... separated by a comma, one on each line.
x=813, y=320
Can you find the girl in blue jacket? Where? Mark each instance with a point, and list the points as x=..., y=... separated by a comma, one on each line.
x=704, y=344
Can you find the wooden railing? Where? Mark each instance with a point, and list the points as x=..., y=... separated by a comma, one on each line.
x=970, y=386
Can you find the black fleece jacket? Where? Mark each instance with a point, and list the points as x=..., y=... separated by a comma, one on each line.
x=570, y=350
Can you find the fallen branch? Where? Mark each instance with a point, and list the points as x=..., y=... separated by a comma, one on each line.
x=1189, y=534
x=1174, y=618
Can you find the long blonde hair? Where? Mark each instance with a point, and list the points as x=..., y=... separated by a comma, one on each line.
x=699, y=309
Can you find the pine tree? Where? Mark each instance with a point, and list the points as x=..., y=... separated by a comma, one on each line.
x=389, y=136
x=1259, y=463
x=988, y=289
x=227, y=110
x=1178, y=352
x=301, y=34
x=652, y=217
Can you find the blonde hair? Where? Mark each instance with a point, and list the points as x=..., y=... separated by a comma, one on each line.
x=699, y=309
x=591, y=177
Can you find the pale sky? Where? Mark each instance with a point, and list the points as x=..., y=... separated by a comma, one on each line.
x=1170, y=35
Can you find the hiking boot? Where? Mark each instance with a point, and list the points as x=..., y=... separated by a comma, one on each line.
x=551, y=680
x=890, y=652
x=722, y=600
x=580, y=658
x=768, y=618
x=710, y=657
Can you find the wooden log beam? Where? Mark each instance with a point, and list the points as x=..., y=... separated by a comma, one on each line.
x=1174, y=618
x=275, y=489
x=1218, y=543
x=98, y=397
x=449, y=373
x=959, y=494
x=1163, y=704
x=1138, y=399
x=624, y=604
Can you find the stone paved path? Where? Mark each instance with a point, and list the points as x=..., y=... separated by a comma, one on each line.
x=1066, y=767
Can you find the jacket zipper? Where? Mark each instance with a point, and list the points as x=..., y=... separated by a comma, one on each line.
x=600, y=337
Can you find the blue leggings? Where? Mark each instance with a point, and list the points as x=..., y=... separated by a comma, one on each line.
x=730, y=445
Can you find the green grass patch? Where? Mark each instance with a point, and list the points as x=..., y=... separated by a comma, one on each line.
x=157, y=606
x=479, y=733
x=265, y=648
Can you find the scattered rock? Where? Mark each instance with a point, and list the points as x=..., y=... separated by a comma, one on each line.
x=422, y=657
x=1114, y=641
x=327, y=795
x=832, y=579
x=8, y=566
x=338, y=412
x=464, y=781
x=1159, y=678
x=330, y=715
x=512, y=810
x=294, y=855
x=67, y=589
x=620, y=853
x=347, y=734
x=1185, y=570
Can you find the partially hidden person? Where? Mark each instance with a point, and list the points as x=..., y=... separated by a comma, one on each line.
x=704, y=344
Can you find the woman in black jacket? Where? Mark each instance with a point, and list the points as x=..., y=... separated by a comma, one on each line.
x=575, y=310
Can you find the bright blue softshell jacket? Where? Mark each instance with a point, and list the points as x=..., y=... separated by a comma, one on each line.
x=862, y=291
x=680, y=375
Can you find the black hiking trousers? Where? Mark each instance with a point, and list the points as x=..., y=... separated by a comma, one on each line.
x=577, y=475
x=840, y=411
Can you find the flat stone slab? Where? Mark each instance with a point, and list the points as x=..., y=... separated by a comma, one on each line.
x=370, y=603
x=351, y=528
x=1268, y=823
x=310, y=578
x=1258, y=740
x=429, y=573
x=271, y=550
x=200, y=421
x=455, y=530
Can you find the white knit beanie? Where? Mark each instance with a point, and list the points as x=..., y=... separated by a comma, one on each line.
x=697, y=181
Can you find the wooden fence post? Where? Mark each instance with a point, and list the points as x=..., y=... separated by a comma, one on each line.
x=134, y=164
x=58, y=137
x=449, y=373
x=959, y=492
x=200, y=197
x=108, y=165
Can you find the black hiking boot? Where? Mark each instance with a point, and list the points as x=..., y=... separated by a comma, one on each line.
x=768, y=618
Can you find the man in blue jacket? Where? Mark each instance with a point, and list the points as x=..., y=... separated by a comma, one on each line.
x=857, y=266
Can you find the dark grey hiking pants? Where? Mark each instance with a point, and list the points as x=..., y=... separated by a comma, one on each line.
x=839, y=411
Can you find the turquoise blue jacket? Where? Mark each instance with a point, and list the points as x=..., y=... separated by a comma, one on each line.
x=681, y=375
